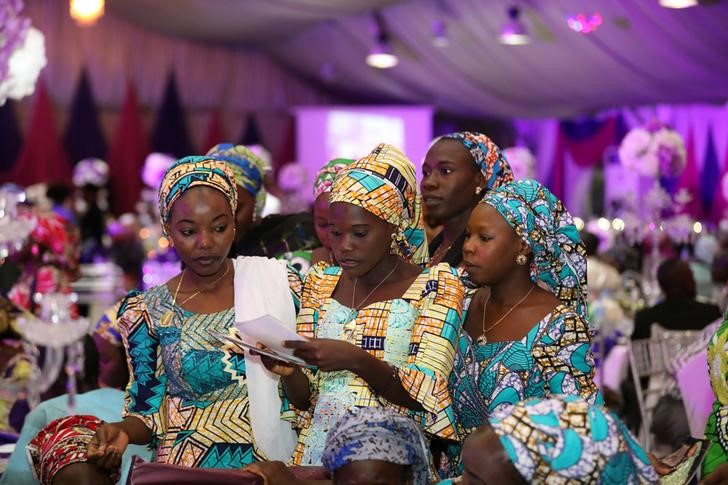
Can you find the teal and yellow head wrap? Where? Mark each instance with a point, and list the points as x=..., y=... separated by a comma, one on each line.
x=325, y=177
x=195, y=171
x=384, y=183
x=542, y=221
x=248, y=169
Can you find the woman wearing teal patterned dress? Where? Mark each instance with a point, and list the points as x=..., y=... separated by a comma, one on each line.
x=525, y=332
x=193, y=398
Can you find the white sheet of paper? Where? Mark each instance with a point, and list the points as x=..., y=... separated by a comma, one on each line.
x=269, y=331
x=291, y=359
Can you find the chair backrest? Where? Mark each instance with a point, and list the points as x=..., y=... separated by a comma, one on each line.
x=648, y=357
x=675, y=344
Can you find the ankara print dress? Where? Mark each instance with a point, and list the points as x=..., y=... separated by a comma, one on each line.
x=554, y=358
x=187, y=386
x=416, y=334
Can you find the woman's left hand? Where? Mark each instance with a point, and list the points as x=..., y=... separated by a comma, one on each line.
x=272, y=473
x=327, y=354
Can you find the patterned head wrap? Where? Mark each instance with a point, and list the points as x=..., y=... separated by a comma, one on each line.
x=567, y=440
x=108, y=326
x=195, y=171
x=488, y=157
x=384, y=183
x=248, y=169
x=63, y=442
x=325, y=177
x=377, y=434
x=542, y=221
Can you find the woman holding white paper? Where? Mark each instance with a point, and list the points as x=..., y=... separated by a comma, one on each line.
x=193, y=397
x=382, y=330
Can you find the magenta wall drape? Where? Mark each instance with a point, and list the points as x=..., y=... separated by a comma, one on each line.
x=129, y=148
x=43, y=157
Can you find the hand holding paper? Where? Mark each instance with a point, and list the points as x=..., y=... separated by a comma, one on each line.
x=271, y=333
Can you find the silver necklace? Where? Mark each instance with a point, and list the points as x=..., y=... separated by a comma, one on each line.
x=482, y=340
x=353, y=293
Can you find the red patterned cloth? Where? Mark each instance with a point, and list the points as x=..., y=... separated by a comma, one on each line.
x=63, y=442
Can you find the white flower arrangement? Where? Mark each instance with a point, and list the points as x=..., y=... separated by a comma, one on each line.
x=653, y=151
x=522, y=162
x=24, y=67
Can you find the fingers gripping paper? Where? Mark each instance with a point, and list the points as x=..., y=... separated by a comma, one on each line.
x=261, y=288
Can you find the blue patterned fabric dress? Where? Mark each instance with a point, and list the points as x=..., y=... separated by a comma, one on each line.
x=552, y=359
x=187, y=386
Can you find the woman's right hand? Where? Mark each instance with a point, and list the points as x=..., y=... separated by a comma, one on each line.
x=108, y=445
x=283, y=369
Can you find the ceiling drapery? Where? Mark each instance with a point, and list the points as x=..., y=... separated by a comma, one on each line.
x=641, y=54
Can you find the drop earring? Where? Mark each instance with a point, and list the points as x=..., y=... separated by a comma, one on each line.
x=478, y=190
x=521, y=260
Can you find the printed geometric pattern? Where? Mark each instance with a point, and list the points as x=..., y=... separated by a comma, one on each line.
x=192, y=171
x=187, y=386
x=416, y=333
x=567, y=441
x=716, y=429
x=542, y=221
x=552, y=359
x=384, y=183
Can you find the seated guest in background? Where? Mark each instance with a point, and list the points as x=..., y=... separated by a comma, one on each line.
x=189, y=396
x=382, y=330
x=600, y=274
x=458, y=170
x=61, y=197
x=321, y=191
x=105, y=364
x=560, y=440
x=679, y=310
x=367, y=445
x=704, y=253
x=92, y=224
x=525, y=332
x=719, y=276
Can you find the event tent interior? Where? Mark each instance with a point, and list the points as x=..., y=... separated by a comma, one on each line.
x=620, y=108
x=235, y=69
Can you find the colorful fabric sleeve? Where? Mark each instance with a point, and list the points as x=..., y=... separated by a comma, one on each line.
x=306, y=325
x=716, y=430
x=146, y=391
x=563, y=352
x=295, y=283
x=432, y=351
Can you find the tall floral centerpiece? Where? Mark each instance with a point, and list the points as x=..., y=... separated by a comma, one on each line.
x=657, y=154
x=654, y=150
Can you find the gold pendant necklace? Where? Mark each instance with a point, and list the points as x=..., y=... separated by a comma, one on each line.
x=169, y=314
x=353, y=293
x=482, y=339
